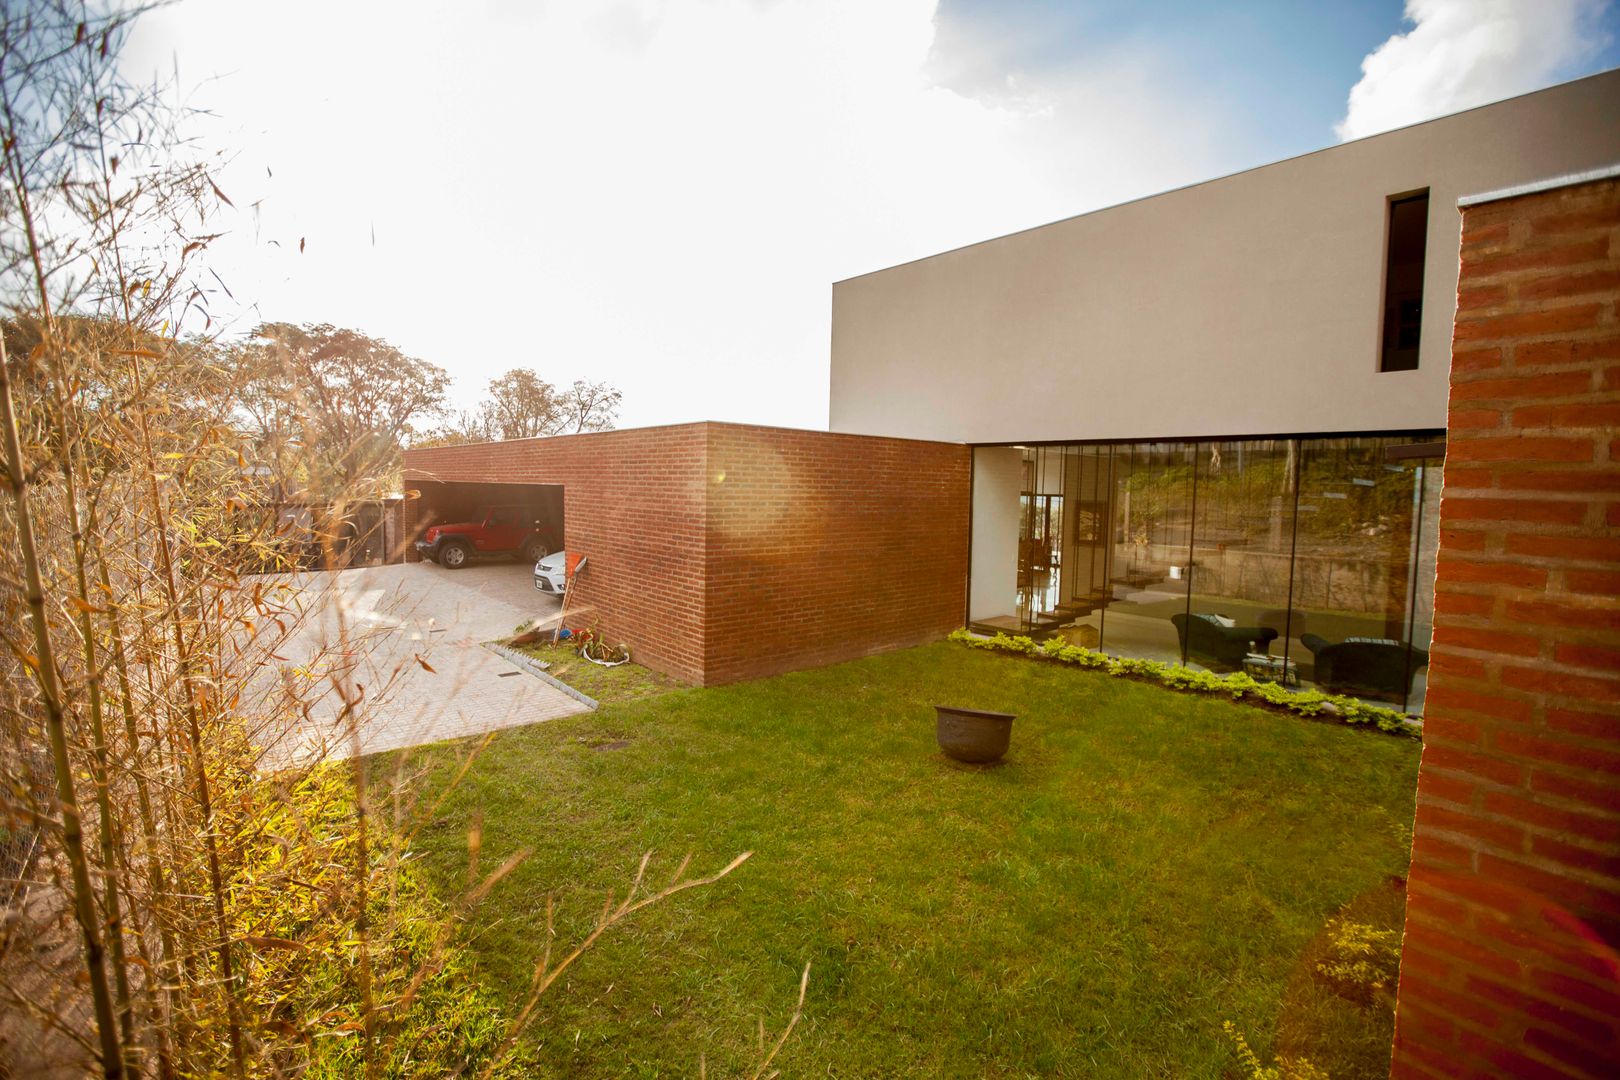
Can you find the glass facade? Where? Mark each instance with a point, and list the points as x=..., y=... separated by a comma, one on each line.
x=1308, y=562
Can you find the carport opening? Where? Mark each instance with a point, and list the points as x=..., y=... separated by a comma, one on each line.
x=489, y=520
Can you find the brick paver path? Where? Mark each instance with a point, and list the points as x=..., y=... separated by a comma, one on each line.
x=400, y=621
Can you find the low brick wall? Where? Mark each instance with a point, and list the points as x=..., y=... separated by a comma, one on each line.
x=1509, y=966
x=722, y=552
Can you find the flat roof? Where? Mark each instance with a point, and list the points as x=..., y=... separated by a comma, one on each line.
x=1240, y=172
x=645, y=428
x=1552, y=183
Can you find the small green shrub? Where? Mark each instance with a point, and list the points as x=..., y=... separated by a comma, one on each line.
x=1361, y=955
x=1238, y=686
x=1285, y=1069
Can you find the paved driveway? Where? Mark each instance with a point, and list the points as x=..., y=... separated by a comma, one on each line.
x=401, y=621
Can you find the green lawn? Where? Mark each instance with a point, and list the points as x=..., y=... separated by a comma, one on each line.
x=1143, y=866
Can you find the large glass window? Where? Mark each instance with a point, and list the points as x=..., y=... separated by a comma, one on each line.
x=1040, y=539
x=1242, y=558
x=1355, y=552
x=1087, y=543
x=1425, y=554
x=1307, y=562
x=1150, y=533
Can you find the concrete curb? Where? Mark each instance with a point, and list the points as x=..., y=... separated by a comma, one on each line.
x=538, y=670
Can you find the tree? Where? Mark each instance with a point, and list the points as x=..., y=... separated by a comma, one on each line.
x=347, y=398
x=588, y=406
x=522, y=405
x=466, y=426
x=239, y=909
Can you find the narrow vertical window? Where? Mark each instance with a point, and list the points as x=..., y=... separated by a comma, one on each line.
x=1403, y=282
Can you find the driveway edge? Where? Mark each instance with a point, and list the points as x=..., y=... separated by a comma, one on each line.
x=538, y=670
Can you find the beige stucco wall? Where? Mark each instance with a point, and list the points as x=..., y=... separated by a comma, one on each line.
x=998, y=478
x=1246, y=305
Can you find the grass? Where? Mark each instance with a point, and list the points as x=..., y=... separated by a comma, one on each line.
x=608, y=685
x=1142, y=866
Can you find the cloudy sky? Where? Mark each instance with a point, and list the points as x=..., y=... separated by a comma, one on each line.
x=659, y=192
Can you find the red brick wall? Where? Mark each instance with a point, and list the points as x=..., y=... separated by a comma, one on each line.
x=723, y=552
x=1513, y=913
x=827, y=547
x=633, y=504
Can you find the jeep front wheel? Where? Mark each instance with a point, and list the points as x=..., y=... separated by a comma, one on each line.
x=453, y=555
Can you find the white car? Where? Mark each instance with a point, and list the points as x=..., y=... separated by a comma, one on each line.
x=551, y=573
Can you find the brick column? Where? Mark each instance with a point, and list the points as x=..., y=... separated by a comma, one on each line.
x=1513, y=913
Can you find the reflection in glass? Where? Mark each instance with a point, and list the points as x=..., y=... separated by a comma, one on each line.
x=1150, y=550
x=1238, y=619
x=1426, y=548
x=1087, y=483
x=1306, y=562
x=1040, y=539
x=1354, y=556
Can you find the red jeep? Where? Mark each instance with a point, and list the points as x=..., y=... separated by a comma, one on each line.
x=502, y=530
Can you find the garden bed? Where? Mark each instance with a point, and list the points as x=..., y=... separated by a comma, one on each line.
x=627, y=682
x=1238, y=686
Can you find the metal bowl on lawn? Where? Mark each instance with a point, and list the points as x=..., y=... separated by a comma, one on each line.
x=972, y=735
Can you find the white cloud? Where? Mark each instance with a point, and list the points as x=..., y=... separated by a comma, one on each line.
x=1463, y=53
x=655, y=192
